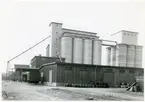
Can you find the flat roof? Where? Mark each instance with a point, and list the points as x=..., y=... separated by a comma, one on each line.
x=79, y=31
x=55, y=23
x=71, y=34
x=63, y=63
x=26, y=69
x=124, y=31
x=46, y=57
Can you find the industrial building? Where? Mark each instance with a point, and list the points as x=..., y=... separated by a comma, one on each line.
x=74, y=57
x=59, y=74
x=127, y=52
x=74, y=45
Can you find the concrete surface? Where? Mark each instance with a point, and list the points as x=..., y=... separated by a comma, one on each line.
x=25, y=91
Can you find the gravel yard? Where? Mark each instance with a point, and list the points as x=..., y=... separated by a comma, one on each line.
x=25, y=91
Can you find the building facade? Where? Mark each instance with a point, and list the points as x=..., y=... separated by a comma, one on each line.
x=59, y=74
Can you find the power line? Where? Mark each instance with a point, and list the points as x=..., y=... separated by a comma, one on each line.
x=25, y=51
x=29, y=49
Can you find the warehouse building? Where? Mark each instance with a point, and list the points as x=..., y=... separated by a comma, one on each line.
x=26, y=74
x=23, y=72
x=59, y=74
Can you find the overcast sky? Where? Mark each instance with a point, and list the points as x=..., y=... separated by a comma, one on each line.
x=23, y=23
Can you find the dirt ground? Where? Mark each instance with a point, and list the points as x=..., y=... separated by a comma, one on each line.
x=26, y=91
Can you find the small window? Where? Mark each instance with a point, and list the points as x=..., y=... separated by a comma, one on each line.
x=128, y=34
x=55, y=45
x=97, y=69
x=83, y=69
x=68, y=68
x=43, y=59
x=124, y=33
x=108, y=70
x=121, y=71
x=131, y=71
x=141, y=73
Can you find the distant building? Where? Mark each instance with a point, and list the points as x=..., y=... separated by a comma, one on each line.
x=21, y=66
x=38, y=61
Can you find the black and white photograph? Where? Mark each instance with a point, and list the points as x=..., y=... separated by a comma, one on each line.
x=72, y=50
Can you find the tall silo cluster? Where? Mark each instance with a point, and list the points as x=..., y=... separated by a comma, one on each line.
x=86, y=48
x=80, y=49
x=127, y=52
x=74, y=45
x=124, y=55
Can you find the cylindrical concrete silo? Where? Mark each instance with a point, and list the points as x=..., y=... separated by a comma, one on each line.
x=130, y=55
x=97, y=52
x=138, y=56
x=121, y=54
x=108, y=51
x=87, y=58
x=78, y=50
x=113, y=55
x=66, y=48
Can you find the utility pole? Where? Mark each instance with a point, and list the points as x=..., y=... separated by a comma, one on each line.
x=7, y=70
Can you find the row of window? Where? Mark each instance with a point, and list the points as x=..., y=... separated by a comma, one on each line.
x=129, y=34
x=98, y=70
x=123, y=71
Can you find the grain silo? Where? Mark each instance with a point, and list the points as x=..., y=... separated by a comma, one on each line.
x=113, y=55
x=66, y=48
x=121, y=53
x=78, y=50
x=138, y=56
x=97, y=52
x=130, y=56
x=87, y=58
x=108, y=51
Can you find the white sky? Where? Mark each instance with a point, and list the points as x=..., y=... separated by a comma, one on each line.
x=23, y=23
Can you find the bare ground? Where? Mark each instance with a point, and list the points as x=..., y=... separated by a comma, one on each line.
x=25, y=91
